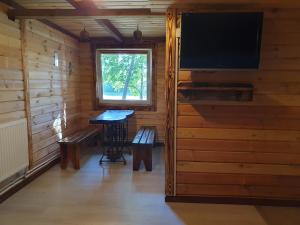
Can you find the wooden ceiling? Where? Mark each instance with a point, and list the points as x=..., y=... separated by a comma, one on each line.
x=121, y=16
x=151, y=26
x=45, y=4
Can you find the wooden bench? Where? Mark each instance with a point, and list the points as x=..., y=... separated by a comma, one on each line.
x=70, y=146
x=142, y=147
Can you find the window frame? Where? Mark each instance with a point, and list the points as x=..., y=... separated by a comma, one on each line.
x=134, y=104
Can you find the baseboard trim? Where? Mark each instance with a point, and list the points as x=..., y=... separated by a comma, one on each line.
x=27, y=180
x=234, y=200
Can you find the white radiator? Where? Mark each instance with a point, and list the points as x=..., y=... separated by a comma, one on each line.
x=13, y=148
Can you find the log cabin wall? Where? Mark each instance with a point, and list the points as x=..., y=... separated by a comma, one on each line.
x=12, y=105
x=53, y=90
x=142, y=118
x=249, y=149
x=32, y=87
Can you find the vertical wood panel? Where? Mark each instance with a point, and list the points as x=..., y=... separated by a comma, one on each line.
x=26, y=88
x=170, y=98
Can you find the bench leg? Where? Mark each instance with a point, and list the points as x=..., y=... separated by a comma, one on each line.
x=148, y=158
x=77, y=157
x=136, y=159
x=64, y=156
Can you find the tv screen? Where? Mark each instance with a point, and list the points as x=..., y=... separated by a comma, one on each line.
x=220, y=40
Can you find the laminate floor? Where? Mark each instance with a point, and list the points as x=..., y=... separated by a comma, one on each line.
x=113, y=194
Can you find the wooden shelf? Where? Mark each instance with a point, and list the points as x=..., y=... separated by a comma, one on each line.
x=214, y=86
x=196, y=91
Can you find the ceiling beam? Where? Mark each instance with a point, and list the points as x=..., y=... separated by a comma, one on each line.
x=48, y=13
x=111, y=29
x=74, y=3
x=12, y=4
x=82, y=4
x=87, y=4
x=17, y=6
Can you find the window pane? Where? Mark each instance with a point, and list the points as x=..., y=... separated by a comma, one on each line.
x=124, y=76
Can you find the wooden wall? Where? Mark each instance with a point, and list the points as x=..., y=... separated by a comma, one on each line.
x=142, y=118
x=27, y=71
x=54, y=91
x=11, y=76
x=249, y=149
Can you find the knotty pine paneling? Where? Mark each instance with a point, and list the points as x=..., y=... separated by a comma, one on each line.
x=54, y=91
x=11, y=77
x=142, y=118
x=246, y=149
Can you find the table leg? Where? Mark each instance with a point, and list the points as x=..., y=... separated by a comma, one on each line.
x=115, y=138
x=77, y=157
x=64, y=156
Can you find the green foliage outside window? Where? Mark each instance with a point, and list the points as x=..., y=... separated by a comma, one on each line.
x=124, y=76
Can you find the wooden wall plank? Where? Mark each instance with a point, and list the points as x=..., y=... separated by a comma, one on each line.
x=243, y=168
x=237, y=179
x=240, y=157
x=221, y=145
x=238, y=134
x=239, y=122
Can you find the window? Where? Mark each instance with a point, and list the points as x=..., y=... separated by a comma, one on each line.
x=124, y=77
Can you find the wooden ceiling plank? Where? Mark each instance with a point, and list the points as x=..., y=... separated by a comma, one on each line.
x=47, y=13
x=111, y=28
x=45, y=21
x=59, y=28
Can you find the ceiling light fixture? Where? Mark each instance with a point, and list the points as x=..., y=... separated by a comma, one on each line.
x=84, y=35
x=137, y=34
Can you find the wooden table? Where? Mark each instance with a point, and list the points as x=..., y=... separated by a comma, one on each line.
x=115, y=129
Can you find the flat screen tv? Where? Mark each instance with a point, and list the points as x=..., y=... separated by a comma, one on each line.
x=220, y=40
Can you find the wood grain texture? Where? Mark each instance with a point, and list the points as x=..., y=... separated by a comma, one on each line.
x=170, y=76
x=54, y=91
x=24, y=43
x=12, y=101
x=248, y=149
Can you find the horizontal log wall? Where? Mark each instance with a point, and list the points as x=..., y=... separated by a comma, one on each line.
x=247, y=149
x=142, y=118
x=11, y=77
x=53, y=90
x=32, y=87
